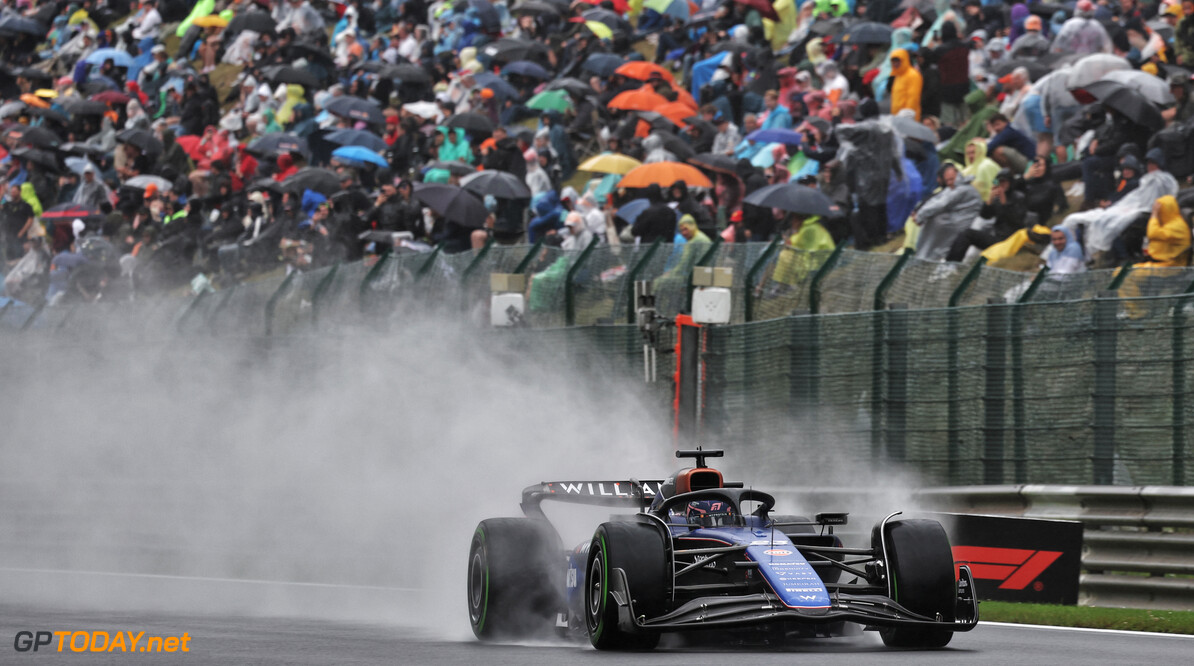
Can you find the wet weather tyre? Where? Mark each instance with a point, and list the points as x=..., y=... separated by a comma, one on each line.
x=640, y=550
x=513, y=591
x=921, y=573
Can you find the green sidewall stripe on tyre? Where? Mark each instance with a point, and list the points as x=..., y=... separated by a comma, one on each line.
x=485, y=591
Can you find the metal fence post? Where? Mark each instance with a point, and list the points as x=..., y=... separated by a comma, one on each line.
x=1178, y=353
x=426, y=267
x=186, y=314
x=885, y=284
x=320, y=290
x=1034, y=285
x=702, y=261
x=530, y=256
x=814, y=287
x=367, y=282
x=570, y=288
x=896, y=398
x=880, y=319
x=469, y=269
x=632, y=277
x=995, y=393
x=33, y=316
x=804, y=366
x=215, y=312
x=1106, y=326
x=1121, y=275
x=953, y=372
x=752, y=274
x=960, y=291
x=272, y=303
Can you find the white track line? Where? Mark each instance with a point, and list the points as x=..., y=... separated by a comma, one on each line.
x=1123, y=632
x=205, y=579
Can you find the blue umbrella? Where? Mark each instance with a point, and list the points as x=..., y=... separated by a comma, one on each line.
x=359, y=154
x=351, y=137
x=528, y=69
x=602, y=64
x=500, y=87
x=784, y=136
x=118, y=57
x=630, y=210
x=486, y=13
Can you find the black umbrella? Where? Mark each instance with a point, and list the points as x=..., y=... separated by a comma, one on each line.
x=266, y=184
x=537, y=7
x=528, y=69
x=40, y=137
x=500, y=184
x=324, y=181
x=572, y=85
x=486, y=14
x=276, y=143
x=406, y=72
x=31, y=73
x=793, y=198
x=509, y=50
x=602, y=64
x=352, y=137
x=285, y=74
x=501, y=88
x=313, y=53
x=70, y=212
x=15, y=24
x=147, y=142
x=866, y=32
x=471, y=122
x=715, y=162
x=42, y=158
x=49, y=114
x=453, y=203
x=676, y=146
x=454, y=167
x=257, y=21
x=84, y=107
x=658, y=121
x=356, y=108
x=1128, y=102
x=611, y=19
x=829, y=27
x=85, y=149
x=1036, y=69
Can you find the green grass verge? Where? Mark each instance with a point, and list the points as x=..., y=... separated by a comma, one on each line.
x=1129, y=619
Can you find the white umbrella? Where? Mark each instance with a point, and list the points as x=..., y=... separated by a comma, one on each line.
x=143, y=183
x=1092, y=68
x=1154, y=88
x=79, y=164
x=423, y=109
x=12, y=109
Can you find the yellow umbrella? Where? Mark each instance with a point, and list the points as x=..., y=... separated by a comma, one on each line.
x=46, y=92
x=610, y=163
x=600, y=29
x=211, y=20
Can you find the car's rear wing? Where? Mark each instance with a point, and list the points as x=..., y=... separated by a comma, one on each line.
x=632, y=493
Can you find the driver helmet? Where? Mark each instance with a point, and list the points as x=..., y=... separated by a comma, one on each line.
x=710, y=513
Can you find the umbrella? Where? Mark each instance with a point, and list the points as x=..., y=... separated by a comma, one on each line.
x=1154, y=88
x=79, y=164
x=422, y=109
x=509, y=50
x=536, y=7
x=1092, y=68
x=641, y=70
x=612, y=20
x=676, y=146
x=320, y=180
x=793, y=198
x=556, y=100
x=279, y=142
x=602, y=64
x=41, y=138
x=405, y=71
x=454, y=167
x=86, y=149
x=31, y=74
x=143, y=183
x=285, y=74
x=359, y=154
x=500, y=87
x=50, y=114
x=620, y=6
x=676, y=112
x=610, y=163
x=865, y=32
x=351, y=137
x=762, y=6
x=715, y=162
x=98, y=84
x=143, y=139
x=642, y=99
x=83, y=107
x=118, y=57
x=70, y=211
x=486, y=14
x=12, y=109
x=572, y=85
x=776, y=135
x=1036, y=69
x=210, y=21
x=41, y=158
x=500, y=184
x=911, y=129
x=111, y=97
x=829, y=27
x=658, y=121
x=1133, y=105
x=19, y=25
x=600, y=30
x=453, y=203
x=257, y=21
x=630, y=210
x=471, y=122
x=526, y=68
x=664, y=174
x=266, y=184
x=677, y=9
x=356, y=108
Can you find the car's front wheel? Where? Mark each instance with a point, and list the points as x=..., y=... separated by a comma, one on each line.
x=921, y=573
x=639, y=550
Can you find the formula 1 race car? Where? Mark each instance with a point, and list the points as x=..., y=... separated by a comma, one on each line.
x=704, y=555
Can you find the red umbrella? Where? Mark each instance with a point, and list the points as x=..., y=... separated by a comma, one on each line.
x=620, y=6
x=111, y=97
x=762, y=6
x=190, y=144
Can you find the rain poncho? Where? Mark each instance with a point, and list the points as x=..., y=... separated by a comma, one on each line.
x=905, y=92
x=796, y=260
x=454, y=151
x=777, y=32
x=1103, y=225
x=692, y=250
x=1070, y=260
x=982, y=169
x=294, y=97
x=867, y=152
x=902, y=195
x=980, y=112
x=1168, y=235
x=944, y=216
x=1081, y=35
x=901, y=38
x=29, y=196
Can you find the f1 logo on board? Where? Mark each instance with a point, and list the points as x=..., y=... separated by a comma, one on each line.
x=1015, y=567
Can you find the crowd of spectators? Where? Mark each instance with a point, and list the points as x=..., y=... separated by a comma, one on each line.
x=163, y=144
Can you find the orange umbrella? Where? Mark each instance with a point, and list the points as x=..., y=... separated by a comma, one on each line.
x=664, y=174
x=685, y=98
x=675, y=112
x=34, y=100
x=642, y=70
x=642, y=99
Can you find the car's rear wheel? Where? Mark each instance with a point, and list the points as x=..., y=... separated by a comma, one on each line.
x=640, y=550
x=921, y=573
x=515, y=575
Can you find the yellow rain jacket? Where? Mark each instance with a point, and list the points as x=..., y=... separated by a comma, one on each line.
x=981, y=169
x=1168, y=236
x=905, y=92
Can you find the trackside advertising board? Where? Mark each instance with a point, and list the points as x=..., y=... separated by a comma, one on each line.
x=1018, y=559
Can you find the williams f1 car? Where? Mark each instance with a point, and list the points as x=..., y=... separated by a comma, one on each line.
x=704, y=555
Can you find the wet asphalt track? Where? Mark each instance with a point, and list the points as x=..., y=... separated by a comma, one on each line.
x=236, y=640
